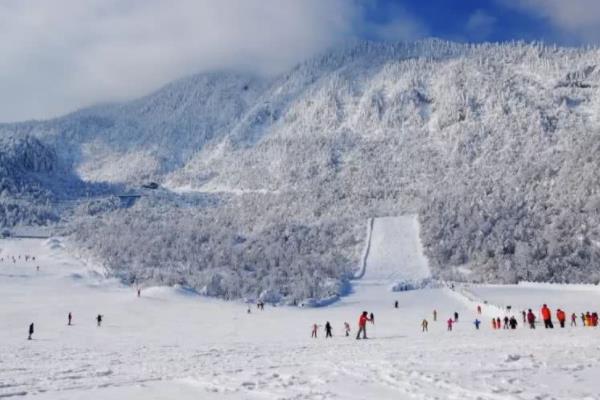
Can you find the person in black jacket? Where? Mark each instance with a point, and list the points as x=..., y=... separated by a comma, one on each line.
x=328, y=330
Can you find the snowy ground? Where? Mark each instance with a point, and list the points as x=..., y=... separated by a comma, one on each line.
x=174, y=344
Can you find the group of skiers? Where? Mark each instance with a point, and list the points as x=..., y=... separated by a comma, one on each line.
x=25, y=257
x=362, y=327
x=99, y=318
x=587, y=319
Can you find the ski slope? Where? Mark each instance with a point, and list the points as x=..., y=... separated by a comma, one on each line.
x=172, y=343
x=395, y=252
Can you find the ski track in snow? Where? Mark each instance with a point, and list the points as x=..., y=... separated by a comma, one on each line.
x=169, y=344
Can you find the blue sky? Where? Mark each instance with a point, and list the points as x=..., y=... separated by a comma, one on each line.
x=61, y=55
x=562, y=22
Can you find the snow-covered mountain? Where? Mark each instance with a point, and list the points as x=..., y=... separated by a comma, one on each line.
x=494, y=145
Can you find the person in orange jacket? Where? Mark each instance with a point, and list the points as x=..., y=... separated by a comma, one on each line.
x=561, y=317
x=362, y=325
x=588, y=319
x=547, y=317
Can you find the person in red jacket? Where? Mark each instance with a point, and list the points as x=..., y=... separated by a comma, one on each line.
x=531, y=319
x=561, y=317
x=547, y=317
x=450, y=322
x=362, y=325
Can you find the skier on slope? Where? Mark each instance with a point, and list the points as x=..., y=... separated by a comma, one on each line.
x=347, y=328
x=479, y=309
x=30, y=331
x=561, y=317
x=506, y=321
x=434, y=315
x=513, y=322
x=494, y=323
x=547, y=317
x=573, y=319
x=315, y=329
x=69, y=317
x=531, y=319
x=424, y=325
x=99, y=320
x=328, y=330
x=372, y=319
x=450, y=322
x=362, y=325
x=524, y=316
x=477, y=322
x=455, y=316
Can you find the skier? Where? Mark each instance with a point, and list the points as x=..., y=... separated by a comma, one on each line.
x=524, y=316
x=531, y=319
x=424, y=324
x=477, y=322
x=560, y=316
x=328, y=330
x=30, y=331
x=434, y=315
x=315, y=328
x=347, y=328
x=498, y=323
x=547, y=317
x=493, y=323
x=139, y=292
x=573, y=319
x=582, y=319
x=396, y=304
x=372, y=319
x=450, y=322
x=513, y=323
x=506, y=320
x=455, y=316
x=479, y=309
x=99, y=320
x=70, y=317
x=362, y=325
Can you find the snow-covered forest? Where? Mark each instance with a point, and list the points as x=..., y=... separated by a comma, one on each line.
x=267, y=183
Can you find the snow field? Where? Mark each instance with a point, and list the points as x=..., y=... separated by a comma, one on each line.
x=173, y=344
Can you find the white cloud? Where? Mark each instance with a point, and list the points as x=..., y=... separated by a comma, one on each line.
x=59, y=55
x=480, y=24
x=577, y=20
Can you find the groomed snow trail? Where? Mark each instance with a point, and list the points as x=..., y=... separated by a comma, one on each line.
x=396, y=253
x=173, y=344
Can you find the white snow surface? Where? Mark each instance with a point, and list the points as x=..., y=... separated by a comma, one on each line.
x=174, y=344
x=395, y=251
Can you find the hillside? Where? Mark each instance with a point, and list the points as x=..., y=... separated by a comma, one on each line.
x=494, y=146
